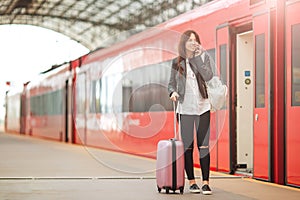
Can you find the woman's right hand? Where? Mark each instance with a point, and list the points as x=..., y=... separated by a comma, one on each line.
x=174, y=96
x=198, y=49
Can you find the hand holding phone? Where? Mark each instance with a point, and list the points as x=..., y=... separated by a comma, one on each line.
x=198, y=49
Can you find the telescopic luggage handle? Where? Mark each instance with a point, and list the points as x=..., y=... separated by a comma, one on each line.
x=179, y=125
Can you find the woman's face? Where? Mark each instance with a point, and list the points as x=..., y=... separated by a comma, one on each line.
x=191, y=44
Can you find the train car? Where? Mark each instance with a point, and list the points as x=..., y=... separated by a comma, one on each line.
x=245, y=37
x=47, y=100
x=120, y=100
x=13, y=109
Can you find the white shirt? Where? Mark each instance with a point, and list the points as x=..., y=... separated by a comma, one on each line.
x=193, y=103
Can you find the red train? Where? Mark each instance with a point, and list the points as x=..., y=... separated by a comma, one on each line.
x=116, y=98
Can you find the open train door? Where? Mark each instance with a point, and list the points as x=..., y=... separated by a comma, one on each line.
x=225, y=145
x=262, y=112
x=244, y=99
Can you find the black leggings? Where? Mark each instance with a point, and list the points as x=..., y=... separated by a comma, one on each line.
x=202, y=122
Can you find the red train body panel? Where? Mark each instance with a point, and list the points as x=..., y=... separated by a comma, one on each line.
x=292, y=109
x=116, y=98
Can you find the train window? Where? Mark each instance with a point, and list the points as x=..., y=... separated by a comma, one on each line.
x=49, y=100
x=223, y=63
x=33, y=108
x=103, y=95
x=41, y=105
x=95, y=96
x=145, y=89
x=37, y=105
x=54, y=102
x=47, y=104
x=211, y=53
x=58, y=106
x=92, y=98
x=106, y=94
x=260, y=71
x=115, y=93
x=127, y=90
x=140, y=90
x=150, y=97
x=296, y=65
x=81, y=94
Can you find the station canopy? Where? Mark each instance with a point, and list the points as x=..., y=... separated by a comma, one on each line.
x=94, y=23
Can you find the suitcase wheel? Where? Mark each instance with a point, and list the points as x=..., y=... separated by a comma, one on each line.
x=159, y=189
x=167, y=190
x=181, y=190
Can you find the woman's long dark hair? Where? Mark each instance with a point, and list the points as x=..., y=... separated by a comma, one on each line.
x=182, y=57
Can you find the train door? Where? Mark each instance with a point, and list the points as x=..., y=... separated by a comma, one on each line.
x=292, y=94
x=261, y=111
x=225, y=144
x=81, y=108
x=23, y=113
x=67, y=112
x=244, y=104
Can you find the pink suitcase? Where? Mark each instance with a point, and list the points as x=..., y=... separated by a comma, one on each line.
x=170, y=164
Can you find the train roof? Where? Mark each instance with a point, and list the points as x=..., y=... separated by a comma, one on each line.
x=46, y=78
x=172, y=27
x=231, y=9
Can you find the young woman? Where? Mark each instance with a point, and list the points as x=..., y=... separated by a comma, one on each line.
x=187, y=84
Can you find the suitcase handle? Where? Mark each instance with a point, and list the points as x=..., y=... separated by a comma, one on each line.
x=179, y=125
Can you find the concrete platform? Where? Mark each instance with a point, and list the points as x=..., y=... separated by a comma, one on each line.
x=32, y=168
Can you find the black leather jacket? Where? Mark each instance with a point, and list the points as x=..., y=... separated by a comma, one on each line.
x=177, y=82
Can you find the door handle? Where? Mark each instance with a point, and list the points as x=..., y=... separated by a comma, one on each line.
x=256, y=117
